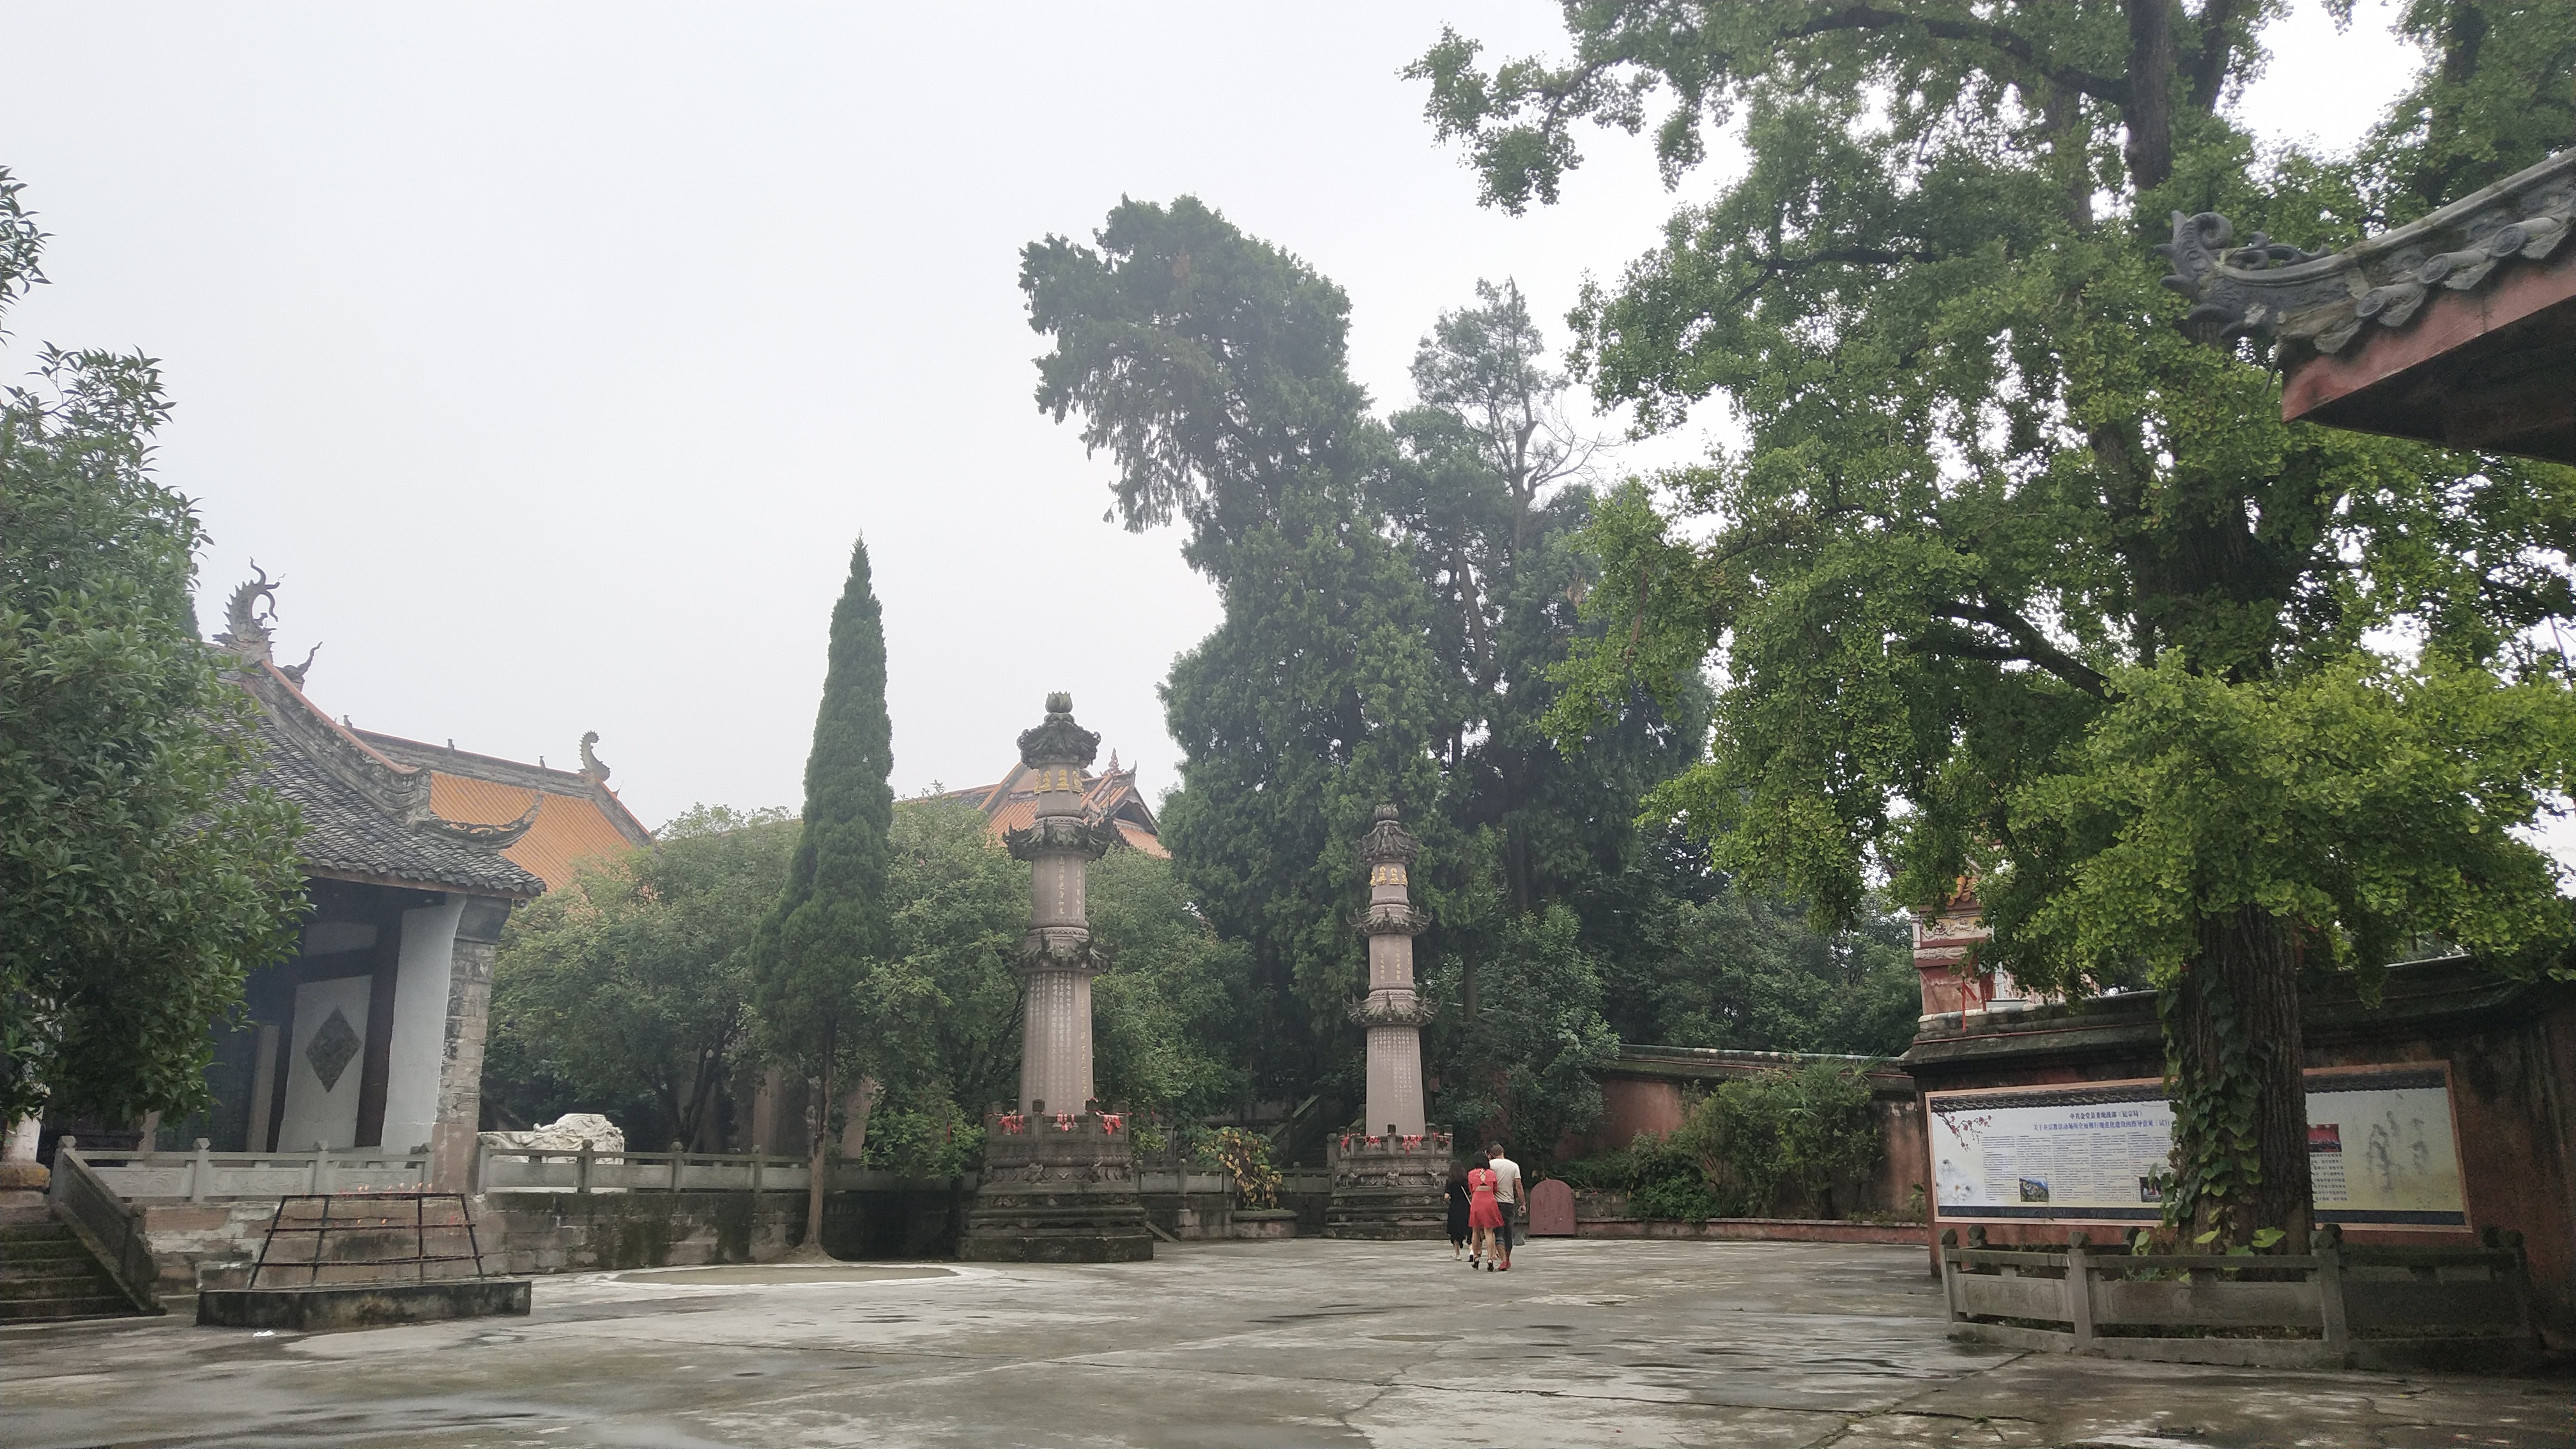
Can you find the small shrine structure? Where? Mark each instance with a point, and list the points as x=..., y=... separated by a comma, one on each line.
x=1059, y=1182
x=1387, y=1173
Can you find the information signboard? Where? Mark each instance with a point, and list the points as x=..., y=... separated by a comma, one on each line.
x=2381, y=1150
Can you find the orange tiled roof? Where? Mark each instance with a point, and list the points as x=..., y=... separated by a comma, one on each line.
x=567, y=831
x=578, y=818
x=1110, y=795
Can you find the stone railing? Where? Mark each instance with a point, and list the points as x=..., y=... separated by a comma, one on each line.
x=585, y=1170
x=200, y=1175
x=113, y=1228
x=2366, y=1307
x=1185, y=1181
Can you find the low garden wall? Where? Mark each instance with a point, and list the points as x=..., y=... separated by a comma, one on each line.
x=1753, y=1230
x=2335, y=1306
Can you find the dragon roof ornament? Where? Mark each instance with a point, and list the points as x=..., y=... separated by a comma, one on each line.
x=250, y=625
x=591, y=767
x=490, y=837
x=2275, y=293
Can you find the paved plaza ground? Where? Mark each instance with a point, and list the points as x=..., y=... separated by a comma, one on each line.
x=1238, y=1345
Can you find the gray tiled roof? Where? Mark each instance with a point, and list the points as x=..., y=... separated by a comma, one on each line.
x=348, y=834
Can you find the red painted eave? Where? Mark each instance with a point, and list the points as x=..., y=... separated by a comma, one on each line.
x=2493, y=369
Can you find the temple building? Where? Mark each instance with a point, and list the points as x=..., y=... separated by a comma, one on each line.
x=371, y=1034
x=1111, y=796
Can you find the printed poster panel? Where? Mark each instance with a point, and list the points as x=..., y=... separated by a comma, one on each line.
x=2381, y=1151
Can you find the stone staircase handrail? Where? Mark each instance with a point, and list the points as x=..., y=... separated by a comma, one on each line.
x=112, y=1228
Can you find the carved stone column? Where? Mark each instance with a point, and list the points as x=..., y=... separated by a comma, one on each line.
x=1387, y=1172
x=1056, y=956
x=1059, y=1181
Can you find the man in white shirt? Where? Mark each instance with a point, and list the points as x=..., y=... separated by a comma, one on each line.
x=1507, y=1193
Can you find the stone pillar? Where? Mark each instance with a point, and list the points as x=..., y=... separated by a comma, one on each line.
x=1387, y=1171
x=453, y=1135
x=1059, y=1180
x=19, y=1169
x=1393, y=1011
x=1056, y=955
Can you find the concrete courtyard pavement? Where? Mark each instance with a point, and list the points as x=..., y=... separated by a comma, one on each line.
x=1638, y=1344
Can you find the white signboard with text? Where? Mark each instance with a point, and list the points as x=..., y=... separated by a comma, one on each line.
x=2382, y=1151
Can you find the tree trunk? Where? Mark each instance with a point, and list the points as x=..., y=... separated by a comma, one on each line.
x=855, y=1112
x=817, y=1160
x=2233, y=1055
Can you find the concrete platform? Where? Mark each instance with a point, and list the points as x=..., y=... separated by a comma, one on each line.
x=361, y=1305
x=1307, y=1342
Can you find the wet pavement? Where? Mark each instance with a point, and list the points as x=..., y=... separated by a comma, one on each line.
x=1741, y=1345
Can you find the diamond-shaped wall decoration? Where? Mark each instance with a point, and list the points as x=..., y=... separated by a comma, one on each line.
x=332, y=1048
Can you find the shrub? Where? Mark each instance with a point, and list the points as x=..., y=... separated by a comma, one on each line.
x=1247, y=1156
x=1793, y=1132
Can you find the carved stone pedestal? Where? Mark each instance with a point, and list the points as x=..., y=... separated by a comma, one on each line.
x=1388, y=1187
x=1057, y=1188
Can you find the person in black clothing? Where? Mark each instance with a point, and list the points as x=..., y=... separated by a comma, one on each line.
x=1457, y=1191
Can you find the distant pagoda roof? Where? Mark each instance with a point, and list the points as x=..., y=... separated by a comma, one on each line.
x=1010, y=804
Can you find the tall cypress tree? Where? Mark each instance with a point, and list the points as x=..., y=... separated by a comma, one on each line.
x=831, y=922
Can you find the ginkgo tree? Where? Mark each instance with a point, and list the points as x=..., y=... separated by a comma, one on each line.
x=2010, y=579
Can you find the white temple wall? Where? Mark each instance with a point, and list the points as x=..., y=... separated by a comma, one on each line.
x=414, y=1055
x=319, y=1111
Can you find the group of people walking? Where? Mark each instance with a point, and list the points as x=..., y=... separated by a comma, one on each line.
x=1482, y=1203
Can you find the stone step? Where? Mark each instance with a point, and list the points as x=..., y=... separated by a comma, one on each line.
x=81, y=1279
x=34, y=1230
x=94, y=1305
x=40, y=1250
x=47, y=1272
x=15, y=1267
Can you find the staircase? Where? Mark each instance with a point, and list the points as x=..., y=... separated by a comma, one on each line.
x=47, y=1272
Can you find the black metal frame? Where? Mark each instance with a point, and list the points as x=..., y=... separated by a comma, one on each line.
x=322, y=1227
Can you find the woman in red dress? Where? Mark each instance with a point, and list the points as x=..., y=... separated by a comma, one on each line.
x=1484, y=1216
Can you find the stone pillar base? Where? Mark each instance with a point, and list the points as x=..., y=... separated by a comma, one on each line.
x=1056, y=1189
x=1388, y=1188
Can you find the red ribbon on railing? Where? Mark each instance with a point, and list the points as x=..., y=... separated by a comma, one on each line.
x=1413, y=1143
x=1012, y=1122
x=1109, y=1121
x=1064, y=1121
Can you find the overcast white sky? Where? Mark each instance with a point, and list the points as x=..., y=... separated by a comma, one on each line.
x=553, y=355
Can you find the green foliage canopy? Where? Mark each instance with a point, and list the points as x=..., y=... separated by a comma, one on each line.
x=633, y=982
x=1780, y=1140
x=2013, y=580
x=143, y=870
x=1524, y=1065
x=1212, y=367
x=830, y=923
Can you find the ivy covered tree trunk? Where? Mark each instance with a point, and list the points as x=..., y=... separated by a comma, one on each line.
x=2233, y=1057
